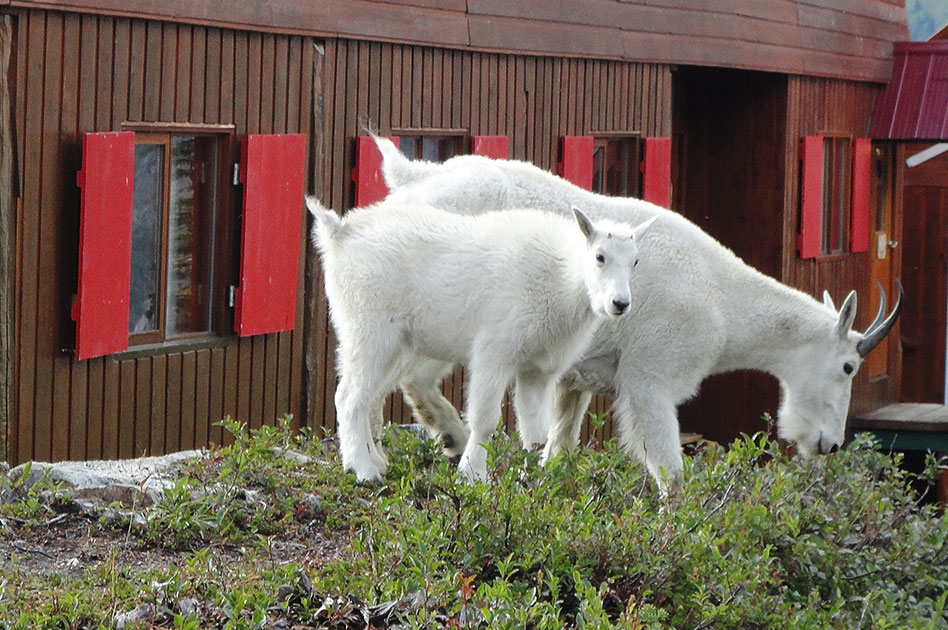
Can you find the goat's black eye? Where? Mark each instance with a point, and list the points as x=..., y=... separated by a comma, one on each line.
x=600, y=259
x=848, y=367
x=636, y=263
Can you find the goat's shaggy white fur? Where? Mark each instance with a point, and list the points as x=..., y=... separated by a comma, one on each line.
x=513, y=295
x=699, y=310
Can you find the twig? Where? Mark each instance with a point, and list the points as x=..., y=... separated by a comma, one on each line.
x=55, y=519
x=39, y=552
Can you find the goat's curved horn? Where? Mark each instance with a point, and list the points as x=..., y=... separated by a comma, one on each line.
x=877, y=332
x=880, y=314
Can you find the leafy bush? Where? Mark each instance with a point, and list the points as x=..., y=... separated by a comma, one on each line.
x=753, y=539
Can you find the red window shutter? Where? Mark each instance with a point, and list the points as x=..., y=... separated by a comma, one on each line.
x=369, y=183
x=656, y=171
x=490, y=146
x=272, y=172
x=105, y=243
x=859, y=212
x=576, y=163
x=810, y=238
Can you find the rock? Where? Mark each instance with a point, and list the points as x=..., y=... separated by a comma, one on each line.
x=137, y=482
x=146, y=613
x=188, y=606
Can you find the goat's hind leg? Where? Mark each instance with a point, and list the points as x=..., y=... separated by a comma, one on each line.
x=431, y=409
x=366, y=378
x=533, y=404
x=571, y=405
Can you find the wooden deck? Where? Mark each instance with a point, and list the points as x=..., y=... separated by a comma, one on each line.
x=906, y=426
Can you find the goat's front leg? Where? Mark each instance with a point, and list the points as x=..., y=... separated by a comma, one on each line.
x=485, y=392
x=648, y=429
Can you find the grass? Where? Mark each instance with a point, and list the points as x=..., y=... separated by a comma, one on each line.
x=251, y=538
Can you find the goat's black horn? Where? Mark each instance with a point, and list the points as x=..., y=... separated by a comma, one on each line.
x=877, y=331
x=880, y=315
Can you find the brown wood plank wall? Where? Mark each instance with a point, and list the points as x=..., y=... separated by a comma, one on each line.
x=818, y=106
x=79, y=73
x=532, y=100
x=839, y=38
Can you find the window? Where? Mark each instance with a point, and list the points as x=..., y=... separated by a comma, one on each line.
x=835, y=173
x=158, y=240
x=435, y=147
x=836, y=190
x=616, y=166
x=176, y=240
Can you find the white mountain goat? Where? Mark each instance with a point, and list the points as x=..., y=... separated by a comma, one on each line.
x=699, y=310
x=513, y=295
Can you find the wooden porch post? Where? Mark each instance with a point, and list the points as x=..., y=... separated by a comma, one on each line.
x=7, y=237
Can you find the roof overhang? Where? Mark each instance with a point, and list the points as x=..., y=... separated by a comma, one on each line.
x=914, y=105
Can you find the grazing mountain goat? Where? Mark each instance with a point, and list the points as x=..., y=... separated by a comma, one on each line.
x=514, y=295
x=699, y=310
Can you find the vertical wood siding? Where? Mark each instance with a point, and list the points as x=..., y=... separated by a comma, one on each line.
x=79, y=73
x=532, y=100
x=817, y=106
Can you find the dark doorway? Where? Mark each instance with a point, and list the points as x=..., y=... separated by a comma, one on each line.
x=924, y=253
x=729, y=153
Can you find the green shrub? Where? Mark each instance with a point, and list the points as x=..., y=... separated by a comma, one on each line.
x=752, y=539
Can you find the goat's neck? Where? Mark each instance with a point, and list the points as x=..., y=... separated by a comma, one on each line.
x=771, y=323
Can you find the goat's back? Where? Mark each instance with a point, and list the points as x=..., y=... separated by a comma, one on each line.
x=445, y=279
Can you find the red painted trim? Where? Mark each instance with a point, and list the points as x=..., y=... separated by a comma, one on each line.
x=576, y=164
x=810, y=238
x=272, y=172
x=859, y=211
x=369, y=183
x=490, y=146
x=656, y=170
x=107, y=180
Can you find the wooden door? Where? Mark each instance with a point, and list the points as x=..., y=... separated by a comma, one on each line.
x=924, y=254
x=882, y=242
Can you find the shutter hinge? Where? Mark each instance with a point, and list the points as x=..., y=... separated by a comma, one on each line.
x=230, y=296
x=236, y=180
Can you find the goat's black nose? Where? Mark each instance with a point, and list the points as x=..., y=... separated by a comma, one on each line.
x=620, y=305
x=834, y=448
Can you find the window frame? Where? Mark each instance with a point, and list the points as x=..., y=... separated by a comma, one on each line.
x=459, y=138
x=601, y=142
x=835, y=220
x=223, y=267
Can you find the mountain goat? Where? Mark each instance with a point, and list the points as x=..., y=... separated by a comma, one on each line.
x=514, y=295
x=700, y=310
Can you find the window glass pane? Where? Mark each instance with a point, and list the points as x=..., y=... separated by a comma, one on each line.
x=146, y=238
x=449, y=147
x=409, y=146
x=598, y=185
x=617, y=168
x=190, y=234
x=431, y=149
x=835, y=193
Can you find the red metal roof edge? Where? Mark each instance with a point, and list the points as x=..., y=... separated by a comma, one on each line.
x=908, y=108
x=929, y=47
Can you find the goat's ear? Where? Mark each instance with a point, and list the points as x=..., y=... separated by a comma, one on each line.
x=847, y=313
x=827, y=300
x=584, y=223
x=639, y=231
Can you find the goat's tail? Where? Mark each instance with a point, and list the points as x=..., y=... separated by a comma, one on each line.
x=327, y=224
x=397, y=169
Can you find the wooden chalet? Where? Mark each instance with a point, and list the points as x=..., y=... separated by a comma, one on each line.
x=156, y=272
